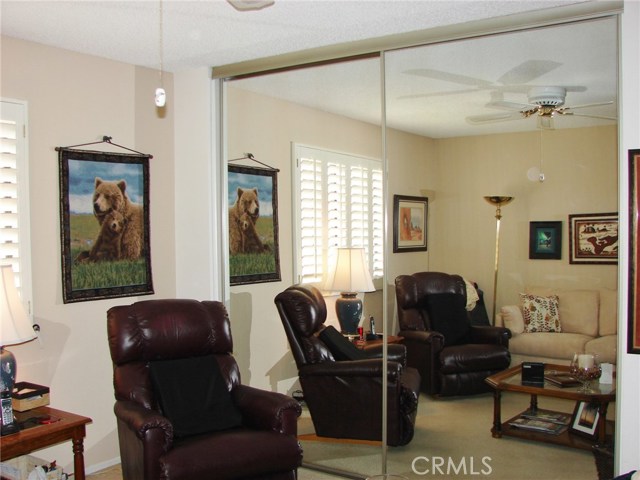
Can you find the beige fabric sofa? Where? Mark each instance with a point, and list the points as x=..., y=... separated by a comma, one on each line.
x=588, y=318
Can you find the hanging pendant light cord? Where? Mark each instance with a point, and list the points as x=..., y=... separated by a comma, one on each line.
x=161, y=43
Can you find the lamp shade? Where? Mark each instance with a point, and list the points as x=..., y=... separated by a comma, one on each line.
x=351, y=273
x=15, y=325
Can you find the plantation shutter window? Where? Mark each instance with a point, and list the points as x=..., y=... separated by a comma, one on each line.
x=14, y=196
x=340, y=198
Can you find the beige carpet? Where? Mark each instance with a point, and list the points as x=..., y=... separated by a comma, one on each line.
x=456, y=429
x=459, y=429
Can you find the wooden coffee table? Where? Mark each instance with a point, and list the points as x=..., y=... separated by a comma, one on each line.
x=510, y=381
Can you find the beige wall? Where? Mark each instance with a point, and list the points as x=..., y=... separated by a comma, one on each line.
x=75, y=99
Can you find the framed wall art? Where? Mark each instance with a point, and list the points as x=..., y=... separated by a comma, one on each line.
x=409, y=224
x=633, y=333
x=545, y=240
x=253, y=225
x=585, y=419
x=593, y=238
x=104, y=215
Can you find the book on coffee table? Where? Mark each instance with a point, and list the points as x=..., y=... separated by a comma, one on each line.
x=548, y=416
x=561, y=379
x=538, y=425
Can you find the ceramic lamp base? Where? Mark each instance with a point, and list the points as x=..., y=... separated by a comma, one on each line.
x=349, y=311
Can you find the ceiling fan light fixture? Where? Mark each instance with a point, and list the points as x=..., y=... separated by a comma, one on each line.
x=245, y=5
x=547, y=96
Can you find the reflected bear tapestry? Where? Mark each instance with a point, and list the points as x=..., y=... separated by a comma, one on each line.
x=253, y=225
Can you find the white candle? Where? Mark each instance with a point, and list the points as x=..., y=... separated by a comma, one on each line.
x=585, y=360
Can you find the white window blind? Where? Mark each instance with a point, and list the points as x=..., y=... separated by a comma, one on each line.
x=340, y=198
x=14, y=196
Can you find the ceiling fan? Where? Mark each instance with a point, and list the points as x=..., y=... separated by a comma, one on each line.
x=545, y=103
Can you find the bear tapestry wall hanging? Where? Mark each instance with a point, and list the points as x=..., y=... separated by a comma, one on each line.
x=253, y=225
x=104, y=215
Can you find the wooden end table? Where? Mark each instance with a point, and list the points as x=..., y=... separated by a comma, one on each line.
x=65, y=426
x=510, y=381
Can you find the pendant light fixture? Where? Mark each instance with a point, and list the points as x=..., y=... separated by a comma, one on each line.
x=160, y=95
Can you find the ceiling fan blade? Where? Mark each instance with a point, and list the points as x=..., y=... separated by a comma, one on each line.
x=502, y=105
x=436, y=94
x=603, y=117
x=586, y=105
x=496, y=117
x=528, y=71
x=448, y=77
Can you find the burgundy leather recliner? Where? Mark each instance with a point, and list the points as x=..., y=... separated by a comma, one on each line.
x=345, y=397
x=453, y=356
x=264, y=446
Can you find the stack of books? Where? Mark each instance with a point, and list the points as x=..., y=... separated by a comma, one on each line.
x=543, y=421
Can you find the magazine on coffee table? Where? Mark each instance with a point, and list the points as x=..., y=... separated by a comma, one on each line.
x=548, y=416
x=538, y=426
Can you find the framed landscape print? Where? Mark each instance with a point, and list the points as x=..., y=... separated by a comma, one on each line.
x=545, y=240
x=633, y=333
x=409, y=224
x=593, y=238
x=104, y=225
x=253, y=225
x=585, y=419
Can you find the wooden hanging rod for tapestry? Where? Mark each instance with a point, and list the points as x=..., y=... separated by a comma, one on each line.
x=105, y=139
x=249, y=156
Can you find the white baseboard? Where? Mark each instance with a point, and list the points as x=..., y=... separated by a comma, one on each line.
x=101, y=466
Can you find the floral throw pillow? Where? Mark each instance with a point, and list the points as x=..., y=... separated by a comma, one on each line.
x=541, y=314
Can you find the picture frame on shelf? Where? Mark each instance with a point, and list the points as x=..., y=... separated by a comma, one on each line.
x=585, y=420
x=593, y=238
x=545, y=240
x=410, y=223
x=633, y=332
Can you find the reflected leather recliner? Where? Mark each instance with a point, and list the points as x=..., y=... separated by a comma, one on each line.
x=453, y=356
x=265, y=444
x=345, y=397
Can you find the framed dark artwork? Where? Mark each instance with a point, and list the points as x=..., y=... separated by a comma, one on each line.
x=104, y=225
x=409, y=224
x=585, y=419
x=545, y=240
x=253, y=225
x=593, y=238
x=633, y=333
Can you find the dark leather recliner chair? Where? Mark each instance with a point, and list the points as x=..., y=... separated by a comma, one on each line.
x=263, y=446
x=453, y=356
x=345, y=397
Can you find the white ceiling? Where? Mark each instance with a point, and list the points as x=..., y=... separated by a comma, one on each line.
x=432, y=102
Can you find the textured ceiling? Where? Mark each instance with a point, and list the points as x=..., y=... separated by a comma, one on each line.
x=431, y=91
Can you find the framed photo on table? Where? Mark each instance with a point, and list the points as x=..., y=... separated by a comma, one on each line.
x=409, y=224
x=545, y=240
x=593, y=238
x=585, y=419
x=633, y=334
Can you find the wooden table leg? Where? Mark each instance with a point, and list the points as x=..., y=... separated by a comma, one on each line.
x=533, y=405
x=602, y=425
x=496, y=431
x=78, y=458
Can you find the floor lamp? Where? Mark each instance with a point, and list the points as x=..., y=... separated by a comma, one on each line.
x=498, y=202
